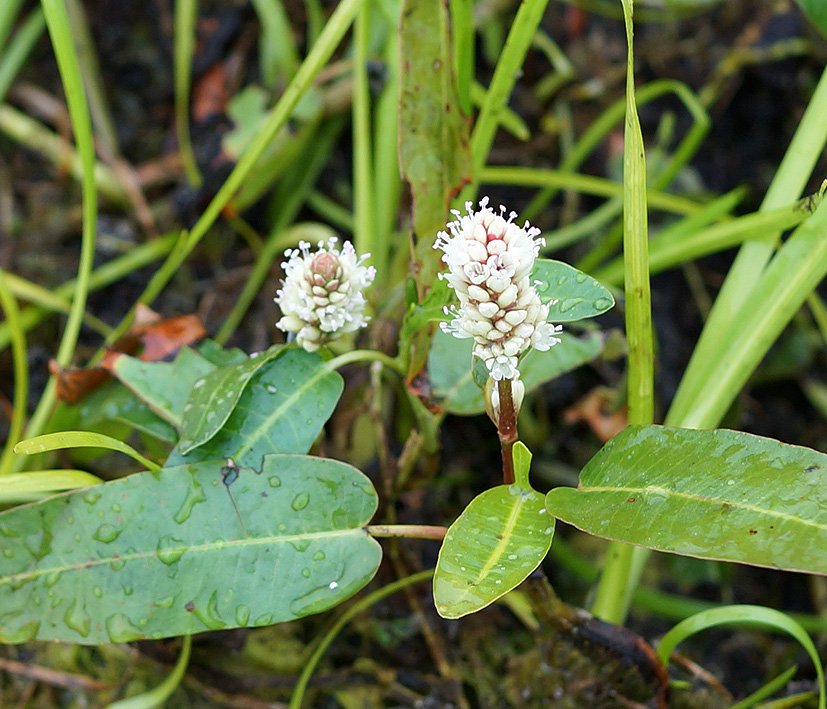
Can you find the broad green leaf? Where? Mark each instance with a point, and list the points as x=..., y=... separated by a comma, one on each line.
x=79, y=439
x=112, y=402
x=214, y=397
x=188, y=549
x=710, y=494
x=578, y=295
x=163, y=386
x=433, y=134
x=449, y=368
x=498, y=540
x=817, y=12
x=281, y=410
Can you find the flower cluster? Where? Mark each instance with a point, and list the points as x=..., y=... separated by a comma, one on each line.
x=489, y=261
x=321, y=296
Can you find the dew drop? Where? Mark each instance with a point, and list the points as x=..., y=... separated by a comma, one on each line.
x=117, y=564
x=106, y=533
x=195, y=494
x=127, y=590
x=8, y=553
x=306, y=573
x=23, y=634
x=98, y=591
x=264, y=619
x=116, y=507
x=274, y=481
x=270, y=388
x=319, y=556
x=90, y=498
x=165, y=602
x=169, y=549
x=209, y=616
x=300, y=501
x=242, y=615
x=602, y=304
x=51, y=579
x=77, y=619
x=122, y=630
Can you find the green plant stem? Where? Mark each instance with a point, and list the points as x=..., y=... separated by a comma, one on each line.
x=365, y=356
x=58, y=24
x=623, y=563
x=786, y=187
x=9, y=9
x=35, y=136
x=520, y=36
x=406, y=531
x=19, y=48
x=323, y=48
x=21, y=374
x=107, y=274
x=157, y=696
x=361, y=605
x=364, y=232
x=186, y=12
x=290, y=196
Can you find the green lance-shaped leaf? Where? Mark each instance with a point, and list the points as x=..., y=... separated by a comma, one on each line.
x=451, y=374
x=163, y=386
x=188, y=549
x=577, y=295
x=214, y=397
x=710, y=494
x=498, y=540
x=282, y=409
x=433, y=134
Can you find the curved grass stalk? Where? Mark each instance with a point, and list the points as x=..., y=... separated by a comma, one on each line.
x=737, y=291
x=21, y=374
x=361, y=605
x=107, y=274
x=323, y=48
x=157, y=696
x=613, y=115
x=186, y=12
x=19, y=48
x=58, y=24
x=519, y=39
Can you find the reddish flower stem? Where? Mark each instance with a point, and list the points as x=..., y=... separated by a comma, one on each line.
x=507, y=428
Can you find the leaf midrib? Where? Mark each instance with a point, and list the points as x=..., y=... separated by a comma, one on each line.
x=210, y=546
x=709, y=500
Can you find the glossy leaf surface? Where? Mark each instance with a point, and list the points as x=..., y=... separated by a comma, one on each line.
x=191, y=548
x=449, y=368
x=214, y=397
x=498, y=540
x=578, y=295
x=711, y=494
x=281, y=410
x=163, y=386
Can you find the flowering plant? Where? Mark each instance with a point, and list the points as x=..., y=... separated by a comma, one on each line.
x=490, y=260
x=322, y=296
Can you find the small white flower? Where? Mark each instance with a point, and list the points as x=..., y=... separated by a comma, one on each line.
x=489, y=261
x=321, y=296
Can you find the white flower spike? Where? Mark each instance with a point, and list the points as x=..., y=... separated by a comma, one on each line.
x=489, y=261
x=321, y=296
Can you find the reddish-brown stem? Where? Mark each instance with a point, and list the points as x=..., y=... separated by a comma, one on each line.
x=507, y=428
